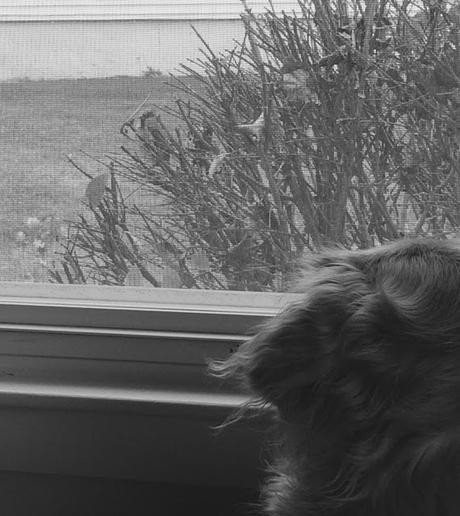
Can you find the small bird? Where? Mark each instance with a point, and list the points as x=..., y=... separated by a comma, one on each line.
x=151, y=129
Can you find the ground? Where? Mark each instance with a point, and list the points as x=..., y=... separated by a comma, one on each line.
x=41, y=123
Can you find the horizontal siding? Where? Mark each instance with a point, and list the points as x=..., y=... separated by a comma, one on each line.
x=74, y=49
x=46, y=10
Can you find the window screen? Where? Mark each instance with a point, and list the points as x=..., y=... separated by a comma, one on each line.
x=216, y=145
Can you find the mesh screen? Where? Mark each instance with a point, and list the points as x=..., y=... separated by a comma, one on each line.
x=220, y=150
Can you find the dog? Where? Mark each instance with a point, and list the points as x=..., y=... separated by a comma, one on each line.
x=361, y=379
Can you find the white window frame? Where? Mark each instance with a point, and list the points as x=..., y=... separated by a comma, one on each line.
x=61, y=326
x=78, y=360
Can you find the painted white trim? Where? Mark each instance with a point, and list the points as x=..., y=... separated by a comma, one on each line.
x=179, y=310
x=62, y=339
x=85, y=10
x=10, y=290
x=141, y=401
x=120, y=374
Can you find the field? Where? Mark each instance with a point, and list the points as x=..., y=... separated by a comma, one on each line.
x=42, y=122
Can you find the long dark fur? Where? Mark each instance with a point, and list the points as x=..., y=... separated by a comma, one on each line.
x=364, y=377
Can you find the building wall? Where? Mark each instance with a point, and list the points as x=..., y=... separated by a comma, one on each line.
x=33, y=10
x=50, y=50
x=44, y=39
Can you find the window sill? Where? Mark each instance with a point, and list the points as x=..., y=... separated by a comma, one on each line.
x=104, y=369
x=135, y=347
x=121, y=399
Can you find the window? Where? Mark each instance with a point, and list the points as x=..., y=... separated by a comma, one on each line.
x=282, y=133
x=95, y=70
x=71, y=74
x=285, y=130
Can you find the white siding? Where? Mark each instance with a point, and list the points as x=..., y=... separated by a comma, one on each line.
x=53, y=50
x=34, y=10
x=102, y=38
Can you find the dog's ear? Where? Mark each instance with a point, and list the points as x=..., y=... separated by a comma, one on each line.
x=365, y=319
x=300, y=348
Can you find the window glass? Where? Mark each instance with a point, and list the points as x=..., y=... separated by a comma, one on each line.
x=215, y=145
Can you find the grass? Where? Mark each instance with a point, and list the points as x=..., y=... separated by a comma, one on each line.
x=42, y=122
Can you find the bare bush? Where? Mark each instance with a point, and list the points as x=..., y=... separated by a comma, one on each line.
x=333, y=127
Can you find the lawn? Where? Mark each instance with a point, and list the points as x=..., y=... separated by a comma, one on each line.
x=42, y=122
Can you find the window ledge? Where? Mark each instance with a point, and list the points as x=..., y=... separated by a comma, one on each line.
x=118, y=333
x=162, y=403
x=138, y=308
x=133, y=349
x=86, y=370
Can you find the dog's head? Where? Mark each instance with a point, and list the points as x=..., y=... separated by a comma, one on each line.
x=364, y=374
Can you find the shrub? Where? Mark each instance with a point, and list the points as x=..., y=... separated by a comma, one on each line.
x=330, y=127
x=152, y=72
